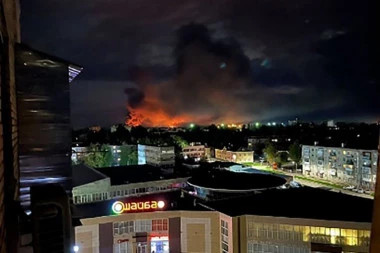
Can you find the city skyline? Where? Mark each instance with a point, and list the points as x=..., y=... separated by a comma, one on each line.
x=268, y=61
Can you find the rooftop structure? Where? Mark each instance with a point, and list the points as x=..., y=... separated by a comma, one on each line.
x=220, y=183
x=95, y=185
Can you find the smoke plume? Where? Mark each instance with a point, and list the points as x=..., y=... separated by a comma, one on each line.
x=210, y=76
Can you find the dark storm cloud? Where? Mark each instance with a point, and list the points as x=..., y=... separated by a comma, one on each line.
x=310, y=65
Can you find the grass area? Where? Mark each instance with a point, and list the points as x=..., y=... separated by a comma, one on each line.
x=252, y=164
x=319, y=182
x=269, y=169
x=312, y=180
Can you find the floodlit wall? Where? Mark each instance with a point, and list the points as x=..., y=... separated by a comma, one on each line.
x=348, y=166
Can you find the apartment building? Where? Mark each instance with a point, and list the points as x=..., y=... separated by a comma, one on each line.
x=79, y=153
x=355, y=167
x=194, y=150
x=162, y=156
x=234, y=156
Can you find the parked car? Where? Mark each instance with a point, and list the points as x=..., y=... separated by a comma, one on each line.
x=349, y=187
x=360, y=191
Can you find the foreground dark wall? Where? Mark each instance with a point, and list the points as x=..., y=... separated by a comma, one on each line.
x=43, y=103
x=9, y=173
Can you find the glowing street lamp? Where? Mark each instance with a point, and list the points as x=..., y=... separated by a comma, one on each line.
x=192, y=125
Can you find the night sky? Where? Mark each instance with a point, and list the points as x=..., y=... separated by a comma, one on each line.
x=207, y=61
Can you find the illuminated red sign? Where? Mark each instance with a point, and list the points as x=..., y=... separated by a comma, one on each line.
x=120, y=207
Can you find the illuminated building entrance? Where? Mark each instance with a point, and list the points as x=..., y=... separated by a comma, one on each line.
x=159, y=244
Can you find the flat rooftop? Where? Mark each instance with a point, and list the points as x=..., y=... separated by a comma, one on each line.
x=135, y=174
x=83, y=174
x=304, y=202
x=224, y=179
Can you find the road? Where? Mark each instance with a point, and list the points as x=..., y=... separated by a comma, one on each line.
x=315, y=184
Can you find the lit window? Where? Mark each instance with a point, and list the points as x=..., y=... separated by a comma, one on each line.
x=143, y=226
x=160, y=225
x=224, y=235
x=125, y=227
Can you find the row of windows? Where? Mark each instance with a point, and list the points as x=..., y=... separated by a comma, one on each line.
x=193, y=149
x=120, y=193
x=224, y=235
x=126, y=227
x=336, y=236
x=266, y=248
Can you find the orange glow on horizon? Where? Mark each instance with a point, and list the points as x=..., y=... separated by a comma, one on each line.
x=154, y=118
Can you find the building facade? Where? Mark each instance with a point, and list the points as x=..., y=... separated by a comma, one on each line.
x=78, y=153
x=234, y=156
x=260, y=234
x=9, y=168
x=195, y=151
x=212, y=231
x=354, y=167
x=101, y=188
x=160, y=156
x=159, y=232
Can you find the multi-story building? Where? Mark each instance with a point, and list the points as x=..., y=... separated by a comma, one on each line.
x=79, y=153
x=234, y=156
x=94, y=185
x=9, y=168
x=347, y=166
x=194, y=150
x=164, y=223
x=162, y=156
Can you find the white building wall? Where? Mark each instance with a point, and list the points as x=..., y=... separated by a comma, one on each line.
x=103, y=190
x=156, y=156
x=348, y=166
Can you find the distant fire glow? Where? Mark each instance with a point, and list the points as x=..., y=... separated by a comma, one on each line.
x=209, y=87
